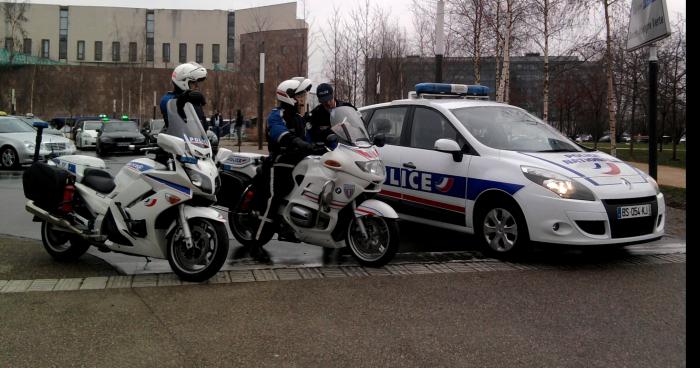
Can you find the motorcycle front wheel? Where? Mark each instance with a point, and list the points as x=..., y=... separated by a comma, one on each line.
x=244, y=222
x=61, y=245
x=207, y=254
x=381, y=243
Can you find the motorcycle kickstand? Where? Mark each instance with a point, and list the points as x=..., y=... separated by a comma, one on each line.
x=187, y=234
x=360, y=222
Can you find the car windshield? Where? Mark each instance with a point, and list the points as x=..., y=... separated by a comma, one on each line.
x=14, y=125
x=512, y=129
x=346, y=123
x=92, y=125
x=121, y=126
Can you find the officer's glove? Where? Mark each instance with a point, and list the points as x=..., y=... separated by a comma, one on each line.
x=302, y=145
x=319, y=149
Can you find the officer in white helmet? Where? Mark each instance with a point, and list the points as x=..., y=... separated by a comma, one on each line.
x=186, y=78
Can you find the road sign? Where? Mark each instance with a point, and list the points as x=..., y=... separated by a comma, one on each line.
x=649, y=22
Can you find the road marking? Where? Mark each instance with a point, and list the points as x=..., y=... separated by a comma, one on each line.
x=271, y=273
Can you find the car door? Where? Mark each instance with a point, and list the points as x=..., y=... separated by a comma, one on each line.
x=434, y=183
x=390, y=122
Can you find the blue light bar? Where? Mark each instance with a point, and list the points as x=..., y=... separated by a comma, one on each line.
x=452, y=89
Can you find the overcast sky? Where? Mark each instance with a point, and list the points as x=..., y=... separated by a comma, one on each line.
x=317, y=11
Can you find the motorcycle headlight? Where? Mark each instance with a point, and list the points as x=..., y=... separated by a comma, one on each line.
x=559, y=184
x=199, y=180
x=374, y=167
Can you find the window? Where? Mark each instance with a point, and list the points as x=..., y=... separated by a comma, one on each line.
x=215, y=53
x=166, y=52
x=63, y=34
x=183, y=52
x=429, y=126
x=150, y=30
x=81, y=50
x=45, y=48
x=230, y=37
x=389, y=122
x=132, y=51
x=98, y=50
x=27, y=46
x=116, y=52
x=199, y=53
x=9, y=43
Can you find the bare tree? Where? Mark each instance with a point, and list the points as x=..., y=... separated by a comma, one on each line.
x=15, y=18
x=471, y=31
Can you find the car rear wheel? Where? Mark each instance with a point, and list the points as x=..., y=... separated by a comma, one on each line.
x=501, y=228
x=9, y=158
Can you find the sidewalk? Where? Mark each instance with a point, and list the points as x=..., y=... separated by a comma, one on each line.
x=667, y=175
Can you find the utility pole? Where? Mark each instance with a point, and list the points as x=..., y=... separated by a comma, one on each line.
x=439, y=40
x=260, y=98
x=653, y=71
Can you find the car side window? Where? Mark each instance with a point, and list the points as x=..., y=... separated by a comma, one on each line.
x=429, y=126
x=388, y=121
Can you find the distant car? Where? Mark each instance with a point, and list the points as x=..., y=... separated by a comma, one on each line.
x=86, y=132
x=119, y=135
x=152, y=129
x=584, y=138
x=682, y=139
x=605, y=138
x=18, y=141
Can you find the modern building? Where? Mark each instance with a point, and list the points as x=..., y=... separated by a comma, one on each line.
x=160, y=38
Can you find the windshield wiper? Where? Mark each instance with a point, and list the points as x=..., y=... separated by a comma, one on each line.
x=560, y=150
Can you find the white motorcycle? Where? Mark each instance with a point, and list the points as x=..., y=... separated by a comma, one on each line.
x=331, y=203
x=150, y=209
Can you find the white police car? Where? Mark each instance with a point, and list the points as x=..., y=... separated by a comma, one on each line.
x=494, y=170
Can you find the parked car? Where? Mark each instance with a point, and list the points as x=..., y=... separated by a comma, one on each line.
x=682, y=140
x=494, y=170
x=30, y=121
x=119, y=136
x=18, y=141
x=86, y=132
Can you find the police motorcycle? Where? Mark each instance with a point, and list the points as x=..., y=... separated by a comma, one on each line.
x=150, y=209
x=331, y=204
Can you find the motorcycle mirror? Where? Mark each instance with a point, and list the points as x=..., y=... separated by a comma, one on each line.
x=331, y=140
x=379, y=140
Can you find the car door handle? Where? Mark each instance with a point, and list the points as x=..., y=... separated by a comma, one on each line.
x=409, y=165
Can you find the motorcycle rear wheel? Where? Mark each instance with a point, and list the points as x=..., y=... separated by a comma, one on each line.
x=244, y=222
x=381, y=243
x=62, y=246
x=207, y=254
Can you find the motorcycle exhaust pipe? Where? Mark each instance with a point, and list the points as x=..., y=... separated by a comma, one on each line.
x=44, y=215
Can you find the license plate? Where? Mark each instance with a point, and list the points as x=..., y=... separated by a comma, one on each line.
x=642, y=210
x=123, y=144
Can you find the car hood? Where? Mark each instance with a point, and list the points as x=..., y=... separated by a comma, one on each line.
x=90, y=133
x=122, y=135
x=596, y=167
x=31, y=137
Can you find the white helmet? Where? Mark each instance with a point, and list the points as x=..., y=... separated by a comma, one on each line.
x=291, y=87
x=188, y=72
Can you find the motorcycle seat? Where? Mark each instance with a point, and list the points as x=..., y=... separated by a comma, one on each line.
x=98, y=180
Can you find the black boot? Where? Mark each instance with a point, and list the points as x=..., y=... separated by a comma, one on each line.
x=259, y=254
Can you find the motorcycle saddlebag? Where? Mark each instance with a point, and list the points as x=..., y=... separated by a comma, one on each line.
x=44, y=184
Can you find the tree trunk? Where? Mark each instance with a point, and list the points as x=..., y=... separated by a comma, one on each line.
x=634, y=109
x=611, y=96
x=502, y=93
x=545, y=87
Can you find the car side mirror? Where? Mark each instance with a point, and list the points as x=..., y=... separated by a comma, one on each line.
x=449, y=146
x=379, y=140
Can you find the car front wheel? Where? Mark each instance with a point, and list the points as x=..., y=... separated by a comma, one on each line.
x=501, y=228
x=9, y=158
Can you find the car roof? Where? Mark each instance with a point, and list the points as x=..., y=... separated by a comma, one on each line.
x=447, y=103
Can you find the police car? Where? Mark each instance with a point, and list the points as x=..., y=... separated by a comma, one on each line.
x=458, y=161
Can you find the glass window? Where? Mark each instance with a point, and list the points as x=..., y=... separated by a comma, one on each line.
x=183, y=53
x=132, y=51
x=45, y=49
x=149, y=49
x=215, y=53
x=388, y=121
x=98, y=50
x=9, y=43
x=63, y=34
x=166, y=52
x=429, y=126
x=199, y=53
x=116, y=52
x=230, y=37
x=150, y=31
x=27, y=46
x=81, y=50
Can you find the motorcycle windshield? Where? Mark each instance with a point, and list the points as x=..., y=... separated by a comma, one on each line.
x=347, y=124
x=189, y=129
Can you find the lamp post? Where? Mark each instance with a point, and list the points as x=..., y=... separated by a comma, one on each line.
x=260, y=100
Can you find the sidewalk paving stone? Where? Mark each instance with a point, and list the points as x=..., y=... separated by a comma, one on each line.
x=16, y=286
x=68, y=284
x=43, y=285
x=94, y=283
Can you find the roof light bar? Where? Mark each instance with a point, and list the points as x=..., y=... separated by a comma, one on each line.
x=451, y=89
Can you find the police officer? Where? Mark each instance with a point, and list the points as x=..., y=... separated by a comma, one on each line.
x=288, y=144
x=186, y=78
x=320, y=117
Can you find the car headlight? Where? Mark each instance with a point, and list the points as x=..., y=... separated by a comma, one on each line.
x=653, y=184
x=30, y=145
x=199, y=180
x=374, y=167
x=559, y=184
